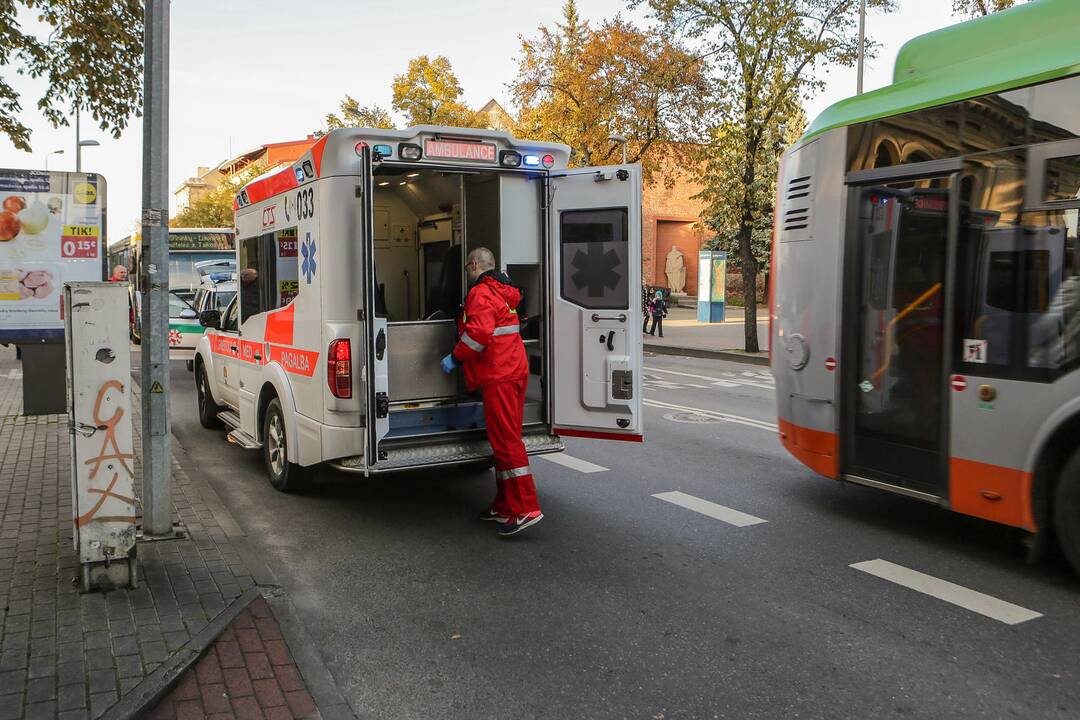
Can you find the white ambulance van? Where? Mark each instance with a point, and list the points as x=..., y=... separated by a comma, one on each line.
x=351, y=269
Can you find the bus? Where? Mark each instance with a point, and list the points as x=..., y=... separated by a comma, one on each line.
x=925, y=314
x=351, y=277
x=187, y=247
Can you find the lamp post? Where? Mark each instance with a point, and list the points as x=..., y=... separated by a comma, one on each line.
x=862, y=45
x=621, y=139
x=80, y=143
x=54, y=152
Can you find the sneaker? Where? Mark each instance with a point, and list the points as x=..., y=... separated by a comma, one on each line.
x=519, y=523
x=490, y=515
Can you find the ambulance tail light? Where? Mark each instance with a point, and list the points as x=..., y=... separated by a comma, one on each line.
x=339, y=368
x=547, y=161
x=409, y=151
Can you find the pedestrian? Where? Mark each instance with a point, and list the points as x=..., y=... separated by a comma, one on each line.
x=658, y=309
x=493, y=357
x=119, y=274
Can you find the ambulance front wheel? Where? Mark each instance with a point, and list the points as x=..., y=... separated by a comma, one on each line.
x=288, y=477
x=208, y=409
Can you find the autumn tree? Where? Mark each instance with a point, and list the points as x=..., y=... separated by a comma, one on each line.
x=765, y=57
x=978, y=8
x=428, y=93
x=353, y=114
x=579, y=86
x=215, y=208
x=91, y=60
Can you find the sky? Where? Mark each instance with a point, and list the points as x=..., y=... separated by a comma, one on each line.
x=249, y=72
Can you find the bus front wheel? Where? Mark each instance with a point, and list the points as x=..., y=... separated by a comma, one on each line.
x=285, y=476
x=1067, y=511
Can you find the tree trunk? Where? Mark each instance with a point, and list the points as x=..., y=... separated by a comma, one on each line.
x=746, y=252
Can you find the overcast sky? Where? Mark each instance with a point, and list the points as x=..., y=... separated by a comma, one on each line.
x=248, y=72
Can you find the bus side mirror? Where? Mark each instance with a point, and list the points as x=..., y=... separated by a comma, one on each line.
x=210, y=319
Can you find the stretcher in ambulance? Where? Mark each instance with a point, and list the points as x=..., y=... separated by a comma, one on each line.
x=351, y=271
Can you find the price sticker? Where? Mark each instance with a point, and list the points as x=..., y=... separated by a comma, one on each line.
x=79, y=242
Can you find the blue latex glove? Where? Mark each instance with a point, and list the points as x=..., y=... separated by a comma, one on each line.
x=448, y=364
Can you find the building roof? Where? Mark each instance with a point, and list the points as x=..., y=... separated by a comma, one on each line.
x=1027, y=44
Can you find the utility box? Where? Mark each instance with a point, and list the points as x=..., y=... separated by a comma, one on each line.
x=102, y=446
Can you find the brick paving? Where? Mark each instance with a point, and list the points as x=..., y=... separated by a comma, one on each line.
x=247, y=673
x=69, y=655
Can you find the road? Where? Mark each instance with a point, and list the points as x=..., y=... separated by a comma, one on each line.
x=730, y=596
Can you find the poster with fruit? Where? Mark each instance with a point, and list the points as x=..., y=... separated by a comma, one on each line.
x=52, y=231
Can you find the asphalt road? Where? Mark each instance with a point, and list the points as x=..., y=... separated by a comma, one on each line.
x=624, y=605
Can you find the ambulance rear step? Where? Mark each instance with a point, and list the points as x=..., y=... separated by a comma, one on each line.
x=404, y=457
x=237, y=436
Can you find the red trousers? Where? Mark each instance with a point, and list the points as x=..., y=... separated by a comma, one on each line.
x=504, y=408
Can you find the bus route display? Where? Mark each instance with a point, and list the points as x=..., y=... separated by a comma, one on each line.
x=52, y=225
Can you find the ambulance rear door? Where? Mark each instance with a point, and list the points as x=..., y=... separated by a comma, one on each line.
x=594, y=281
x=377, y=356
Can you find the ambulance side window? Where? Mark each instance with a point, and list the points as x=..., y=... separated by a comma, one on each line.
x=258, y=275
x=229, y=320
x=594, y=253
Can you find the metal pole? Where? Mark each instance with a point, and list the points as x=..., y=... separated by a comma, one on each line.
x=624, y=153
x=154, y=271
x=78, y=143
x=862, y=44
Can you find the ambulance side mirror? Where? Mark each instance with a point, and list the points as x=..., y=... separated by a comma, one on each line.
x=210, y=319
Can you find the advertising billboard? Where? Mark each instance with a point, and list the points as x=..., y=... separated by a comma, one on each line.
x=52, y=231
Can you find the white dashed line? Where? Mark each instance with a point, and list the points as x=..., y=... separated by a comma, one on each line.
x=761, y=380
x=711, y=509
x=582, y=466
x=725, y=417
x=958, y=595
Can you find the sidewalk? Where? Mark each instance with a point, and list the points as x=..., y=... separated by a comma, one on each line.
x=684, y=335
x=64, y=654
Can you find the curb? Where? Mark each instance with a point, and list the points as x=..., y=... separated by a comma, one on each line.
x=732, y=355
x=144, y=696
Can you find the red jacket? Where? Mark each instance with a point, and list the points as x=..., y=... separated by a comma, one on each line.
x=489, y=345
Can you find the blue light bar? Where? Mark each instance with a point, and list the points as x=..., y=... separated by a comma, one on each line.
x=531, y=160
x=384, y=150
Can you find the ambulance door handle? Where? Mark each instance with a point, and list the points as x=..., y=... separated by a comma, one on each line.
x=380, y=344
x=258, y=356
x=611, y=341
x=621, y=317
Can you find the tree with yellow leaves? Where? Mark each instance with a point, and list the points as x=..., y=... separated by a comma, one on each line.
x=428, y=93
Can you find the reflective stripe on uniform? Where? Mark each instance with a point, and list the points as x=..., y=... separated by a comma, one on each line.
x=512, y=473
x=507, y=330
x=471, y=343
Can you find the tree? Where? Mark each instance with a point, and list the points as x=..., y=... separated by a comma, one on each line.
x=978, y=8
x=215, y=208
x=428, y=94
x=764, y=56
x=579, y=86
x=353, y=114
x=91, y=60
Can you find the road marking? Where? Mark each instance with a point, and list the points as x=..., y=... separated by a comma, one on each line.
x=717, y=512
x=583, y=466
x=763, y=382
x=958, y=595
x=726, y=417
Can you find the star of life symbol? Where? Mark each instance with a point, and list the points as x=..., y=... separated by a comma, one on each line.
x=308, y=251
x=596, y=270
x=174, y=337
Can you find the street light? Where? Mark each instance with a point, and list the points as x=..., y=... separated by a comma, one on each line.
x=862, y=45
x=80, y=144
x=54, y=152
x=621, y=139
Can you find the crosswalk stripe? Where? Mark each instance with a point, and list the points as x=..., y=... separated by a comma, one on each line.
x=711, y=509
x=582, y=466
x=958, y=595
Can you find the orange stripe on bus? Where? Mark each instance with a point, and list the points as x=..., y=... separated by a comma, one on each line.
x=991, y=492
x=814, y=448
x=279, y=325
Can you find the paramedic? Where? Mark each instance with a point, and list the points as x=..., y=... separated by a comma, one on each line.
x=493, y=356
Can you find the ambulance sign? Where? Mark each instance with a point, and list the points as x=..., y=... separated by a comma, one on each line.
x=51, y=232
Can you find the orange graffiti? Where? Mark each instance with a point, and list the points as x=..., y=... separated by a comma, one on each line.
x=110, y=450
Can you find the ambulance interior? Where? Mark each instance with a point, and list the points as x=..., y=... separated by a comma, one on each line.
x=426, y=221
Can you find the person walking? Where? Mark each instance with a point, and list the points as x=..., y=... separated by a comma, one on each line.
x=658, y=308
x=492, y=354
x=646, y=302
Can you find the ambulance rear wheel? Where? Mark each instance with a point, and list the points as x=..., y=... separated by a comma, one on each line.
x=288, y=477
x=208, y=409
x=1067, y=511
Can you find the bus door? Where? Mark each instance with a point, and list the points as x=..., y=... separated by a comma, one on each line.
x=894, y=392
x=594, y=281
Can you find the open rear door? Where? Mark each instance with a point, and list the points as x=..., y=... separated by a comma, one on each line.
x=377, y=355
x=595, y=289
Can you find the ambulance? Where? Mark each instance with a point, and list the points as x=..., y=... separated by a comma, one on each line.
x=351, y=275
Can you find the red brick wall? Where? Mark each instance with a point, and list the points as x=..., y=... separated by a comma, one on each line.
x=670, y=203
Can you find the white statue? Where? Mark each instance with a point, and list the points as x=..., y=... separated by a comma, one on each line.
x=675, y=269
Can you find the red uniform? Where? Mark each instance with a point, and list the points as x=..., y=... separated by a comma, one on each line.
x=493, y=356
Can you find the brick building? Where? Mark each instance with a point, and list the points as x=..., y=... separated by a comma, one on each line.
x=670, y=217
